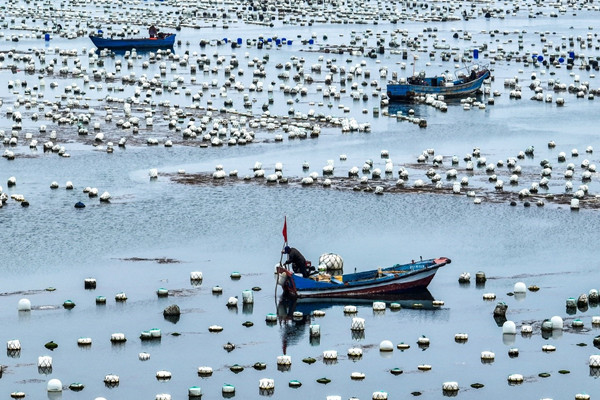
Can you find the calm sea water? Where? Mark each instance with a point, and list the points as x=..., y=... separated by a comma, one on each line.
x=236, y=226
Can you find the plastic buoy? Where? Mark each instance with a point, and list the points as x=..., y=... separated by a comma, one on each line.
x=54, y=385
x=24, y=305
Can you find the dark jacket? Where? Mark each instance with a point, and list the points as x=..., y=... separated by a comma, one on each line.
x=297, y=260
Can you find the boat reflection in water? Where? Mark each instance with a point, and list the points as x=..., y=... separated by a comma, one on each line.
x=295, y=315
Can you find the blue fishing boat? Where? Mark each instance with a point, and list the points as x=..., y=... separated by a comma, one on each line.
x=392, y=280
x=463, y=85
x=165, y=40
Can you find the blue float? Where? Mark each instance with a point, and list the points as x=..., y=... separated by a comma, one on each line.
x=79, y=205
x=225, y=39
x=561, y=60
x=311, y=41
x=540, y=58
x=571, y=54
x=239, y=40
x=47, y=37
x=269, y=40
x=476, y=53
x=289, y=42
x=277, y=42
x=534, y=57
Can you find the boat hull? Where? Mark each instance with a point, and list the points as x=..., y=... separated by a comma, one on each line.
x=408, y=278
x=140, y=43
x=459, y=89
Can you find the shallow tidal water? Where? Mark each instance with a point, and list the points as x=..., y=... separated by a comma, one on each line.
x=154, y=232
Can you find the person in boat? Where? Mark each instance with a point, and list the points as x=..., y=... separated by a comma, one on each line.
x=473, y=75
x=152, y=31
x=297, y=260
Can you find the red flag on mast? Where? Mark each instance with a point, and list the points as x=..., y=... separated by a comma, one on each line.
x=284, y=229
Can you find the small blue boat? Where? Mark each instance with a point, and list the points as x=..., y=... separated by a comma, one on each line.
x=162, y=41
x=392, y=280
x=420, y=85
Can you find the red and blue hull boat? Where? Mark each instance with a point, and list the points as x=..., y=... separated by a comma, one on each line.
x=416, y=86
x=392, y=280
x=163, y=41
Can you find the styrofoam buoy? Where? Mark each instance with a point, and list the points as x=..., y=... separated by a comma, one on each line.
x=215, y=328
x=330, y=355
x=423, y=341
x=117, y=337
x=271, y=317
x=487, y=356
x=526, y=329
x=89, y=283
x=163, y=375
x=386, y=345
x=163, y=396
x=24, y=305
x=450, y=387
x=318, y=313
x=84, y=341
x=121, y=296
x=520, y=287
x=54, y=385
x=403, y=346
x=596, y=320
x=577, y=323
x=547, y=348
x=217, y=290
x=194, y=391
x=144, y=356
x=355, y=352
x=358, y=324
x=315, y=330
x=284, y=360
x=13, y=345
x=44, y=362
x=357, y=376
x=297, y=315
x=380, y=395
x=232, y=302
x=228, y=389
x=424, y=367
x=489, y=296
x=205, y=371
x=195, y=276
x=515, y=378
x=266, y=384
x=350, y=310
x=509, y=328
x=379, y=306
x=594, y=361
x=461, y=337
x=247, y=297
x=162, y=292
